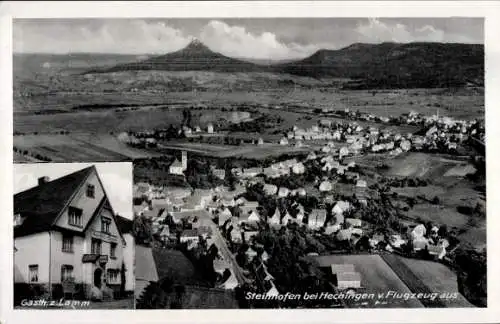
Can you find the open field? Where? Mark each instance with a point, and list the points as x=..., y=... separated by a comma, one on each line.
x=63, y=148
x=447, y=182
x=226, y=151
x=53, y=89
x=377, y=277
x=475, y=236
x=430, y=166
x=438, y=215
x=111, y=142
x=103, y=121
x=422, y=275
x=291, y=102
x=147, y=117
x=453, y=190
x=21, y=158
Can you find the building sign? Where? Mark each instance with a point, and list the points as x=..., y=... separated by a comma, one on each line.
x=105, y=237
x=103, y=259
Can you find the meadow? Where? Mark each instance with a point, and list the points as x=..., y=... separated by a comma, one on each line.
x=427, y=277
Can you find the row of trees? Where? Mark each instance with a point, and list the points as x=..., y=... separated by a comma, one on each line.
x=292, y=270
x=404, y=182
x=37, y=156
x=199, y=175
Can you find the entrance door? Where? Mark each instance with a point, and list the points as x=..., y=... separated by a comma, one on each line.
x=98, y=277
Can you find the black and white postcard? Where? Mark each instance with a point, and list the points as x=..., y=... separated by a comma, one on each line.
x=269, y=160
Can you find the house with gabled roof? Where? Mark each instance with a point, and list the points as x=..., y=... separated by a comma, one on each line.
x=224, y=214
x=250, y=253
x=316, y=218
x=270, y=189
x=286, y=218
x=249, y=215
x=341, y=207
x=311, y=156
x=283, y=192
x=325, y=186
x=275, y=219
x=354, y=222
x=249, y=235
x=66, y=231
x=346, y=280
x=176, y=167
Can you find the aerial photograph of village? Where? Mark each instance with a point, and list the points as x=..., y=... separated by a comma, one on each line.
x=277, y=163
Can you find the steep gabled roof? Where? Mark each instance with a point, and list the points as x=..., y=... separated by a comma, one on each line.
x=41, y=205
x=176, y=164
x=124, y=225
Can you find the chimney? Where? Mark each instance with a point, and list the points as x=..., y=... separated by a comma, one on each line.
x=43, y=180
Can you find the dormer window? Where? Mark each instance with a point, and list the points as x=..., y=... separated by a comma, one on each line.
x=90, y=191
x=17, y=219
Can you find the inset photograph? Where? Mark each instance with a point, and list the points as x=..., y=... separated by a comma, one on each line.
x=73, y=243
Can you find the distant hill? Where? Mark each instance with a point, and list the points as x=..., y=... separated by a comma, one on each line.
x=266, y=61
x=28, y=63
x=368, y=66
x=194, y=57
x=395, y=65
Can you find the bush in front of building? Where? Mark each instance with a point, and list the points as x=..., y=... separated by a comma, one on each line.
x=27, y=291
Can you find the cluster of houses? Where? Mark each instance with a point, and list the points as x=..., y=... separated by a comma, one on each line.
x=220, y=209
x=442, y=133
x=197, y=130
x=203, y=213
x=149, y=138
x=421, y=240
x=275, y=170
x=190, y=210
x=349, y=138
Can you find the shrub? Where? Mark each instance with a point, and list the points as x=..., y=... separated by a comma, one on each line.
x=153, y=297
x=466, y=210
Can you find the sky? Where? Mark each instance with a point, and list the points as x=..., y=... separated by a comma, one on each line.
x=258, y=38
x=115, y=176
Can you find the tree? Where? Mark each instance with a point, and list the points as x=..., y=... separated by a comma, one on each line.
x=472, y=275
x=230, y=178
x=123, y=279
x=443, y=231
x=153, y=297
x=213, y=251
x=142, y=230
